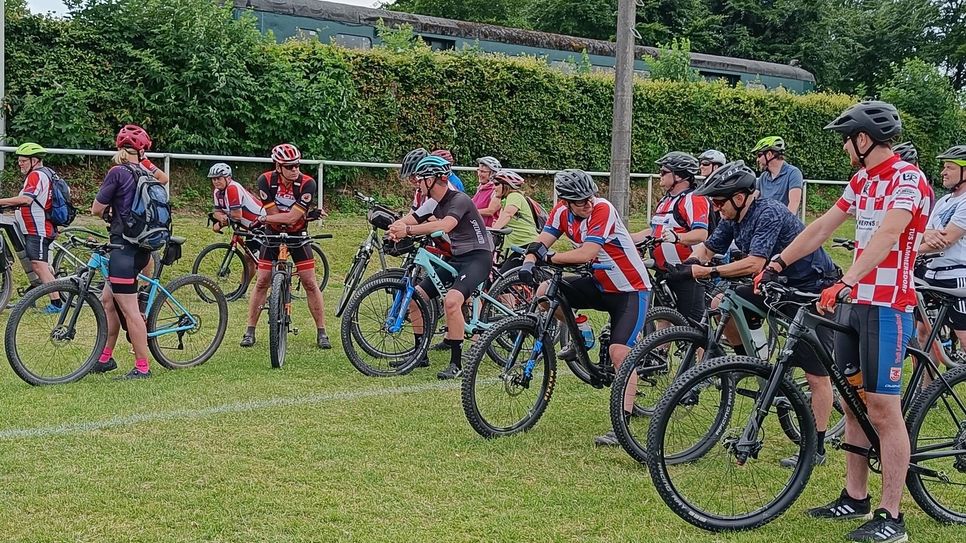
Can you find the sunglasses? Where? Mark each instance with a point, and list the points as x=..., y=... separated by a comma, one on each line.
x=705, y=163
x=580, y=203
x=761, y=154
x=665, y=171
x=290, y=167
x=719, y=203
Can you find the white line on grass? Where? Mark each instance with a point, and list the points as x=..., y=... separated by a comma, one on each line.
x=237, y=407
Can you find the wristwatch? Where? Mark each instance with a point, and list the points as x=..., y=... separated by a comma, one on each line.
x=714, y=272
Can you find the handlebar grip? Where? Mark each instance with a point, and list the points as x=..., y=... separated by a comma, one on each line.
x=322, y=236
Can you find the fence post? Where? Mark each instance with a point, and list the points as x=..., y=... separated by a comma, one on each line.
x=167, y=171
x=321, y=181
x=801, y=209
x=650, y=187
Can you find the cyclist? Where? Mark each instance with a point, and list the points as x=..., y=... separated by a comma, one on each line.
x=232, y=202
x=484, y=199
x=907, y=152
x=119, y=297
x=944, y=232
x=33, y=207
x=891, y=202
x=406, y=174
x=470, y=243
x=515, y=214
x=680, y=221
x=621, y=290
x=454, y=179
x=778, y=180
x=711, y=160
x=287, y=196
x=761, y=228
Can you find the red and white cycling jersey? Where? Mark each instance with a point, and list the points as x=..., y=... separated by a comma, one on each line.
x=604, y=227
x=32, y=218
x=235, y=196
x=692, y=209
x=894, y=184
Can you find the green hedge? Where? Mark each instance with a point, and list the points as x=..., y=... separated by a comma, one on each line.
x=201, y=81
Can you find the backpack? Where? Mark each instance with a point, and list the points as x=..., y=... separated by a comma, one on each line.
x=540, y=216
x=62, y=211
x=713, y=216
x=149, y=224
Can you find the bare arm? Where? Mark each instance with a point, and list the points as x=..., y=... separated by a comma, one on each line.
x=288, y=218
x=492, y=208
x=794, y=200
x=581, y=255
x=16, y=201
x=693, y=237
x=505, y=216
x=97, y=208
x=638, y=237
x=749, y=265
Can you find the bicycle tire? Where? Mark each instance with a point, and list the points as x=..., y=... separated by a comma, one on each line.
x=649, y=365
x=358, y=341
x=78, y=363
x=217, y=254
x=321, y=272
x=210, y=298
x=6, y=286
x=935, y=402
x=729, y=371
x=663, y=313
x=359, y=264
x=434, y=306
x=278, y=320
x=479, y=360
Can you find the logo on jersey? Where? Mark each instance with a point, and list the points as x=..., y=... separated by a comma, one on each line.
x=910, y=176
x=306, y=198
x=262, y=194
x=906, y=192
x=895, y=374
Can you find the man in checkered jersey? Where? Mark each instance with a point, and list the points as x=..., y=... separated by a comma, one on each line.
x=891, y=201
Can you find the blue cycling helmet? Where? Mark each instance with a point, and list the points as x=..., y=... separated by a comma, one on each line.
x=432, y=166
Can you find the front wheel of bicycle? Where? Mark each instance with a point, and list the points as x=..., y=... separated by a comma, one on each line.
x=279, y=318
x=508, y=394
x=937, y=432
x=187, y=325
x=738, y=483
x=45, y=348
x=226, y=267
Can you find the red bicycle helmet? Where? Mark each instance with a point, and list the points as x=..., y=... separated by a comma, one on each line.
x=445, y=155
x=132, y=136
x=286, y=154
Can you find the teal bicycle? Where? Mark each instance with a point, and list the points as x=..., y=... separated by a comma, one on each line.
x=377, y=333
x=186, y=321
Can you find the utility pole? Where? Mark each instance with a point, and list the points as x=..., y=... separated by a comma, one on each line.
x=3, y=91
x=620, y=145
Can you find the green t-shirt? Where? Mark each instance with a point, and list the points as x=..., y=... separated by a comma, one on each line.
x=524, y=229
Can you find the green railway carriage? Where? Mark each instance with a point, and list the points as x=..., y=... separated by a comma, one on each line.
x=354, y=27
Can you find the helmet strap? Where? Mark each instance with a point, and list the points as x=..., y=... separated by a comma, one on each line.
x=860, y=155
x=962, y=179
x=740, y=208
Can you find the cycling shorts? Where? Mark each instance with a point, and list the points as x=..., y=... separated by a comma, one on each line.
x=690, y=298
x=626, y=309
x=513, y=260
x=124, y=266
x=472, y=269
x=37, y=247
x=957, y=313
x=878, y=344
x=302, y=256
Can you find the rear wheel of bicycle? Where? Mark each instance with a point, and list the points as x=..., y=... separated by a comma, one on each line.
x=226, y=267
x=321, y=273
x=6, y=285
x=369, y=343
x=359, y=264
x=279, y=318
x=937, y=427
x=508, y=394
x=42, y=348
x=723, y=489
x=188, y=324
x=836, y=422
x=646, y=374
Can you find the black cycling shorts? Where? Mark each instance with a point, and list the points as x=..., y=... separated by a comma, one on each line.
x=627, y=310
x=472, y=269
x=124, y=266
x=302, y=256
x=957, y=313
x=804, y=356
x=690, y=298
x=37, y=247
x=879, y=344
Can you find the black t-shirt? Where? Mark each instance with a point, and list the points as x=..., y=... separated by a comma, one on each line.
x=470, y=233
x=275, y=192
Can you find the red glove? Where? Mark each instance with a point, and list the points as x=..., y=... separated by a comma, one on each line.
x=839, y=292
x=768, y=274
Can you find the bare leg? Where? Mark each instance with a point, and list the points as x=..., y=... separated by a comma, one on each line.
x=314, y=297
x=113, y=322
x=885, y=412
x=42, y=269
x=136, y=327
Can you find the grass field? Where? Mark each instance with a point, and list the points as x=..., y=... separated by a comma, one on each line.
x=235, y=451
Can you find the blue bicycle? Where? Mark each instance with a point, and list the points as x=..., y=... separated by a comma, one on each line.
x=186, y=321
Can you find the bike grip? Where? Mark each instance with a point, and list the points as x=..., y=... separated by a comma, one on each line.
x=322, y=236
x=844, y=295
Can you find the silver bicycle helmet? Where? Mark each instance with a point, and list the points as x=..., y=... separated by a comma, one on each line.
x=574, y=185
x=219, y=169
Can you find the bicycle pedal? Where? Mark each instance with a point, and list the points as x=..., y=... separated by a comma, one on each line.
x=834, y=442
x=294, y=331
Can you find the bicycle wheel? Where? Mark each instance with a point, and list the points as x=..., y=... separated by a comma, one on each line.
x=369, y=343
x=68, y=257
x=226, y=267
x=321, y=273
x=937, y=427
x=6, y=285
x=511, y=292
x=279, y=318
x=359, y=264
x=836, y=422
x=43, y=348
x=748, y=487
x=506, y=395
x=648, y=371
x=186, y=326
x=660, y=317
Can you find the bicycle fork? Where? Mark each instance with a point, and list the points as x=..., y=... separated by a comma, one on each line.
x=396, y=316
x=63, y=332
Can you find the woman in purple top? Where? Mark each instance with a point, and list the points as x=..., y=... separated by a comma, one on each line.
x=485, y=198
x=114, y=199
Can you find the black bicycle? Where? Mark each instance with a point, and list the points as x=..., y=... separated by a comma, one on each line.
x=379, y=217
x=737, y=484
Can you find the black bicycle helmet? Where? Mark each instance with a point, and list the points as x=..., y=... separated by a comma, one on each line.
x=732, y=178
x=907, y=152
x=574, y=185
x=681, y=164
x=410, y=160
x=879, y=120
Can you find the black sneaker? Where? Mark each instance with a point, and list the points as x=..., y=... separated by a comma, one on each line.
x=845, y=507
x=103, y=367
x=247, y=340
x=134, y=374
x=881, y=529
x=452, y=372
x=322, y=341
x=607, y=440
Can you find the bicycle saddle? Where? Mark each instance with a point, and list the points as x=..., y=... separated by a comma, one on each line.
x=175, y=240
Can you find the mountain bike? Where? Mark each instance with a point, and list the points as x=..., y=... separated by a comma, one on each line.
x=379, y=217
x=184, y=329
x=741, y=466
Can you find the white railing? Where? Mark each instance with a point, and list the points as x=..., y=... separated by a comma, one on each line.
x=321, y=164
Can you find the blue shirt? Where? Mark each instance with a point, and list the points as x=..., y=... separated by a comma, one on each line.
x=776, y=188
x=456, y=182
x=766, y=229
